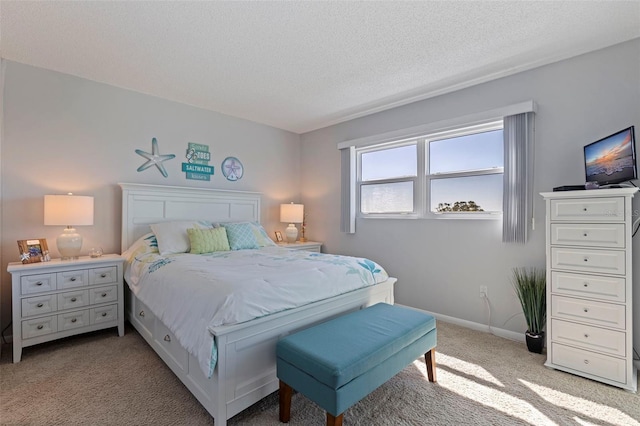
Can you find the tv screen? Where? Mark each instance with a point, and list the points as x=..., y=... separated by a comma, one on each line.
x=611, y=160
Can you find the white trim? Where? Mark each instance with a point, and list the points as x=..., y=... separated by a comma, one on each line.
x=500, y=332
x=442, y=125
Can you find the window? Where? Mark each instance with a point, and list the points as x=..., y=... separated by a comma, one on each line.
x=388, y=179
x=457, y=173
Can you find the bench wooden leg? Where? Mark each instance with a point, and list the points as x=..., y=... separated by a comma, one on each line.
x=430, y=359
x=334, y=421
x=285, y=402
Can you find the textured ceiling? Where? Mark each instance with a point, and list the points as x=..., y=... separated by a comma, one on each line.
x=301, y=65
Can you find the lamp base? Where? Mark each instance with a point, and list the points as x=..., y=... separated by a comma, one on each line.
x=69, y=244
x=292, y=233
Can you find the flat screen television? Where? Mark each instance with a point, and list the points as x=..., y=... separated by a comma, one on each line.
x=612, y=160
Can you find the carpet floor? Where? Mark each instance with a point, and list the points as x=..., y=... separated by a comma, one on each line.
x=102, y=379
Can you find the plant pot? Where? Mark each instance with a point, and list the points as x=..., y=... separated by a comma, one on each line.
x=535, y=342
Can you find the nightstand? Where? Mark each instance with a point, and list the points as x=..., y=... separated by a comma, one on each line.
x=61, y=298
x=307, y=245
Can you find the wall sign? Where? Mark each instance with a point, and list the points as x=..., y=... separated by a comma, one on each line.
x=154, y=158
x=232, y=169
x=197, y=165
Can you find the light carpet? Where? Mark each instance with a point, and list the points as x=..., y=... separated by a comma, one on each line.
x=103, y=379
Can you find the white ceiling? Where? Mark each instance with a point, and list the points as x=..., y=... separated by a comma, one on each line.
x=302, y=65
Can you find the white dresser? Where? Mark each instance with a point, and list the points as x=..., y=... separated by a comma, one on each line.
x=60, y=298
x=314, y=246
x=589, y=283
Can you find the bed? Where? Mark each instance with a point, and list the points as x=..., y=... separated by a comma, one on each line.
x=245, y=368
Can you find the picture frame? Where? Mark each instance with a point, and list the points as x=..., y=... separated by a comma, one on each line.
x=279, y=237
x=33, y=250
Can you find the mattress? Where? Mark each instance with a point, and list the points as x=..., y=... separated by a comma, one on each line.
x=192, y=294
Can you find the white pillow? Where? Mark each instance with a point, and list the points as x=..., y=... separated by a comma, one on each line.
x=172, y=236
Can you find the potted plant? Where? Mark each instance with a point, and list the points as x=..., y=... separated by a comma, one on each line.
x=530, y=286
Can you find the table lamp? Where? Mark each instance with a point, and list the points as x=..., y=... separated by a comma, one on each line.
x=291, y=214
x=68, y=210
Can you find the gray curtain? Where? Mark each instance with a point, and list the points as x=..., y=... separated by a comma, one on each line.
x=348, y=201
x=517, y=196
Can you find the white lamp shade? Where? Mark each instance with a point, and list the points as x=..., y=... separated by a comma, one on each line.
x=68, y=210
x=291, y=213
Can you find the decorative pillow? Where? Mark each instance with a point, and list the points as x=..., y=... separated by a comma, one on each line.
x=144, y=245
x=261, y=235
x=241, y=235
x=208, y=240
x=172, y=236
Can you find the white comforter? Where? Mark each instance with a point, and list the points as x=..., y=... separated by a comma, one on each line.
x=192, y=294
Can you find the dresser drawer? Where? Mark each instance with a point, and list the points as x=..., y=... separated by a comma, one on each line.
x=37, y=283
x=594, y=235
x=103, y=275
x=588, y=311
x=585, y=260
x=143, y=314
x=609, y=209
x=589, y=337
x=103, y=314
x=39, y=327
x=592, y=286
x=103, y=294
x=71, y=320
x=169, y=344
x=73, y=299
x=39, y=305
x=600, y=365
x=71, y=279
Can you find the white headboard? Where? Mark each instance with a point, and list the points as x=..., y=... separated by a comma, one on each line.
x=144, y=204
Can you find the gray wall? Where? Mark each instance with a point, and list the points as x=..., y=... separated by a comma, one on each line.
x=440, y=264
x=66, y=134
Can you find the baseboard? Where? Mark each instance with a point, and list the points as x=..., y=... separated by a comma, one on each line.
x=500, y=332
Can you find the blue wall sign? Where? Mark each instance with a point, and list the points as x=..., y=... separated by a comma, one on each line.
x=197, y=165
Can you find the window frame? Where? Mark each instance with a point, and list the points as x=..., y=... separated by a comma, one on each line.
x=415, y=179
x=422, y=180
x=462, y=131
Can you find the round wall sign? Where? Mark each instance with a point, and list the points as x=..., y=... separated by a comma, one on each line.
x=232, y=168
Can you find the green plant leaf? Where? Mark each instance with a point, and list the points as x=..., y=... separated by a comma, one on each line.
x=530, y=285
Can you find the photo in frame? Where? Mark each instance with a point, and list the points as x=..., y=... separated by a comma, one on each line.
x=279, y=237
x=34, y=250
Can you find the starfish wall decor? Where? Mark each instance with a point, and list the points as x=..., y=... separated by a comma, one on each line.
x=154, y=159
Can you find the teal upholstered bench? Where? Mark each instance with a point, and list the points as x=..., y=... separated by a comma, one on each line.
x=337, y=363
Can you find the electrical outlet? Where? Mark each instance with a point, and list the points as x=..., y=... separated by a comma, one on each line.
x=483, y=291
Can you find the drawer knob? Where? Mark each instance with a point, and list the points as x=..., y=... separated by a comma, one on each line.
x=104, y=314
x=585, y=234
x=72, y=279
x=39, y=305
x=586, y=361
x=103, y=275
x=39, y=283
x=73, y=299
x=586, y=309
x=74, y=319
x=584, y=209
x=586, y=284
x=104, y=295
x=586, y=336
x=167, y=338
x=586, y=259
x=141, y=313
x=40, y=327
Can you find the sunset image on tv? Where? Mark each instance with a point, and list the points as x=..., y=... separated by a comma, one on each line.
x=611, y=159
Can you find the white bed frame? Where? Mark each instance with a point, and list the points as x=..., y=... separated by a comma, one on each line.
x=246, y=368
